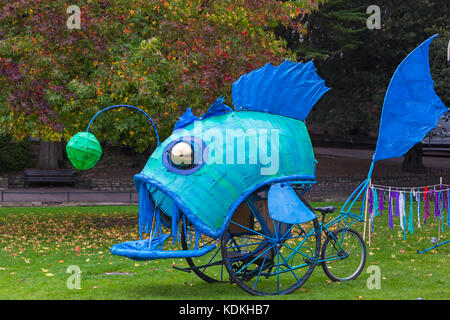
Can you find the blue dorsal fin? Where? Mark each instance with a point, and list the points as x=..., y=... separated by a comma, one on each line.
x=187, y=118
x=290, y=89
x=217, y=108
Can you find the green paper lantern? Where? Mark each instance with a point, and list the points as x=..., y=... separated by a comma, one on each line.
x=84, y=150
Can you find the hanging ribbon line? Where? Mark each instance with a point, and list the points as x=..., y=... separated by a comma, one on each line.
x=411, y=189
x=419, y=207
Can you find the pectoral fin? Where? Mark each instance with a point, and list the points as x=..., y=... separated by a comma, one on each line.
x=285, y=206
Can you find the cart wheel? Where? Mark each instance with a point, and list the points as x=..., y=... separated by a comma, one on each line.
x=208, y=267
x=345, y=254
x=264, y=256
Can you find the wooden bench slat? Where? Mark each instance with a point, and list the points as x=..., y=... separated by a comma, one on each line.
x=61, y=175
x=50, y=179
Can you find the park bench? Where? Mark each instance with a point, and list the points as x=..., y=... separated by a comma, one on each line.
x=58, y=175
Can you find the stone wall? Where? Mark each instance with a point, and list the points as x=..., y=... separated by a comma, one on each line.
x=3, y=183
x=326, y=187
x=16, y=181
x=111, y=185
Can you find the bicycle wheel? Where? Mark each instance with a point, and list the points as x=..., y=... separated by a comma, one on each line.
x=344, y=255
x=208, y=267
x=266, y=257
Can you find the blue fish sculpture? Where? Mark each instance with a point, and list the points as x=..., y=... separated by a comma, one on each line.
x=210, y=164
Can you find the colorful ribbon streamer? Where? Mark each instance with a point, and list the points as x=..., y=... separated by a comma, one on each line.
x=391, y=218
x=381, y=204
x=426, y=206
x=411, y=213
x=439, y=194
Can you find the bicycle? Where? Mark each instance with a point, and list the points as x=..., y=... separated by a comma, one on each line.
x=267, y=257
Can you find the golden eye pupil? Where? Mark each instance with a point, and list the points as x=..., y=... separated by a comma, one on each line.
x=182, y=155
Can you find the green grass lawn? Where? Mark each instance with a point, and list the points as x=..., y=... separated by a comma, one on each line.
x=37, y=245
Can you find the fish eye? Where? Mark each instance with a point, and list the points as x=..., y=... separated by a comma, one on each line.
x=182, y=155
x=185, y=155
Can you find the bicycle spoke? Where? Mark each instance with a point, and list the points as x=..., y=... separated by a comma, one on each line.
x=344, y=260
x=253, y=231
x=255, y=259
x=287, y=265
x=260, y=270
x=268, y=257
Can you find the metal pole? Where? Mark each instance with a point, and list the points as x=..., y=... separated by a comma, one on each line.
x=369, y=178
x=434, y=247
x=366, y=210
x=126, y=106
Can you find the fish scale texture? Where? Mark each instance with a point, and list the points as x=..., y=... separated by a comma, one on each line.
x=211, y=191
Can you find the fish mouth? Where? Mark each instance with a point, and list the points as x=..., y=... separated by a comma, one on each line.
x=167, y=200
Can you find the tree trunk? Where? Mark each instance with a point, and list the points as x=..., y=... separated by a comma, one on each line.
x=50, y=155
x=412, y=161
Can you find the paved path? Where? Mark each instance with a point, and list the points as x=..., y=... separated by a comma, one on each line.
x=37, y=196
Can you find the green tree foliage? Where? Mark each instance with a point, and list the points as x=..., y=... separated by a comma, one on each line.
x=162, y=56
x=14, y=156
x=358, y=63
